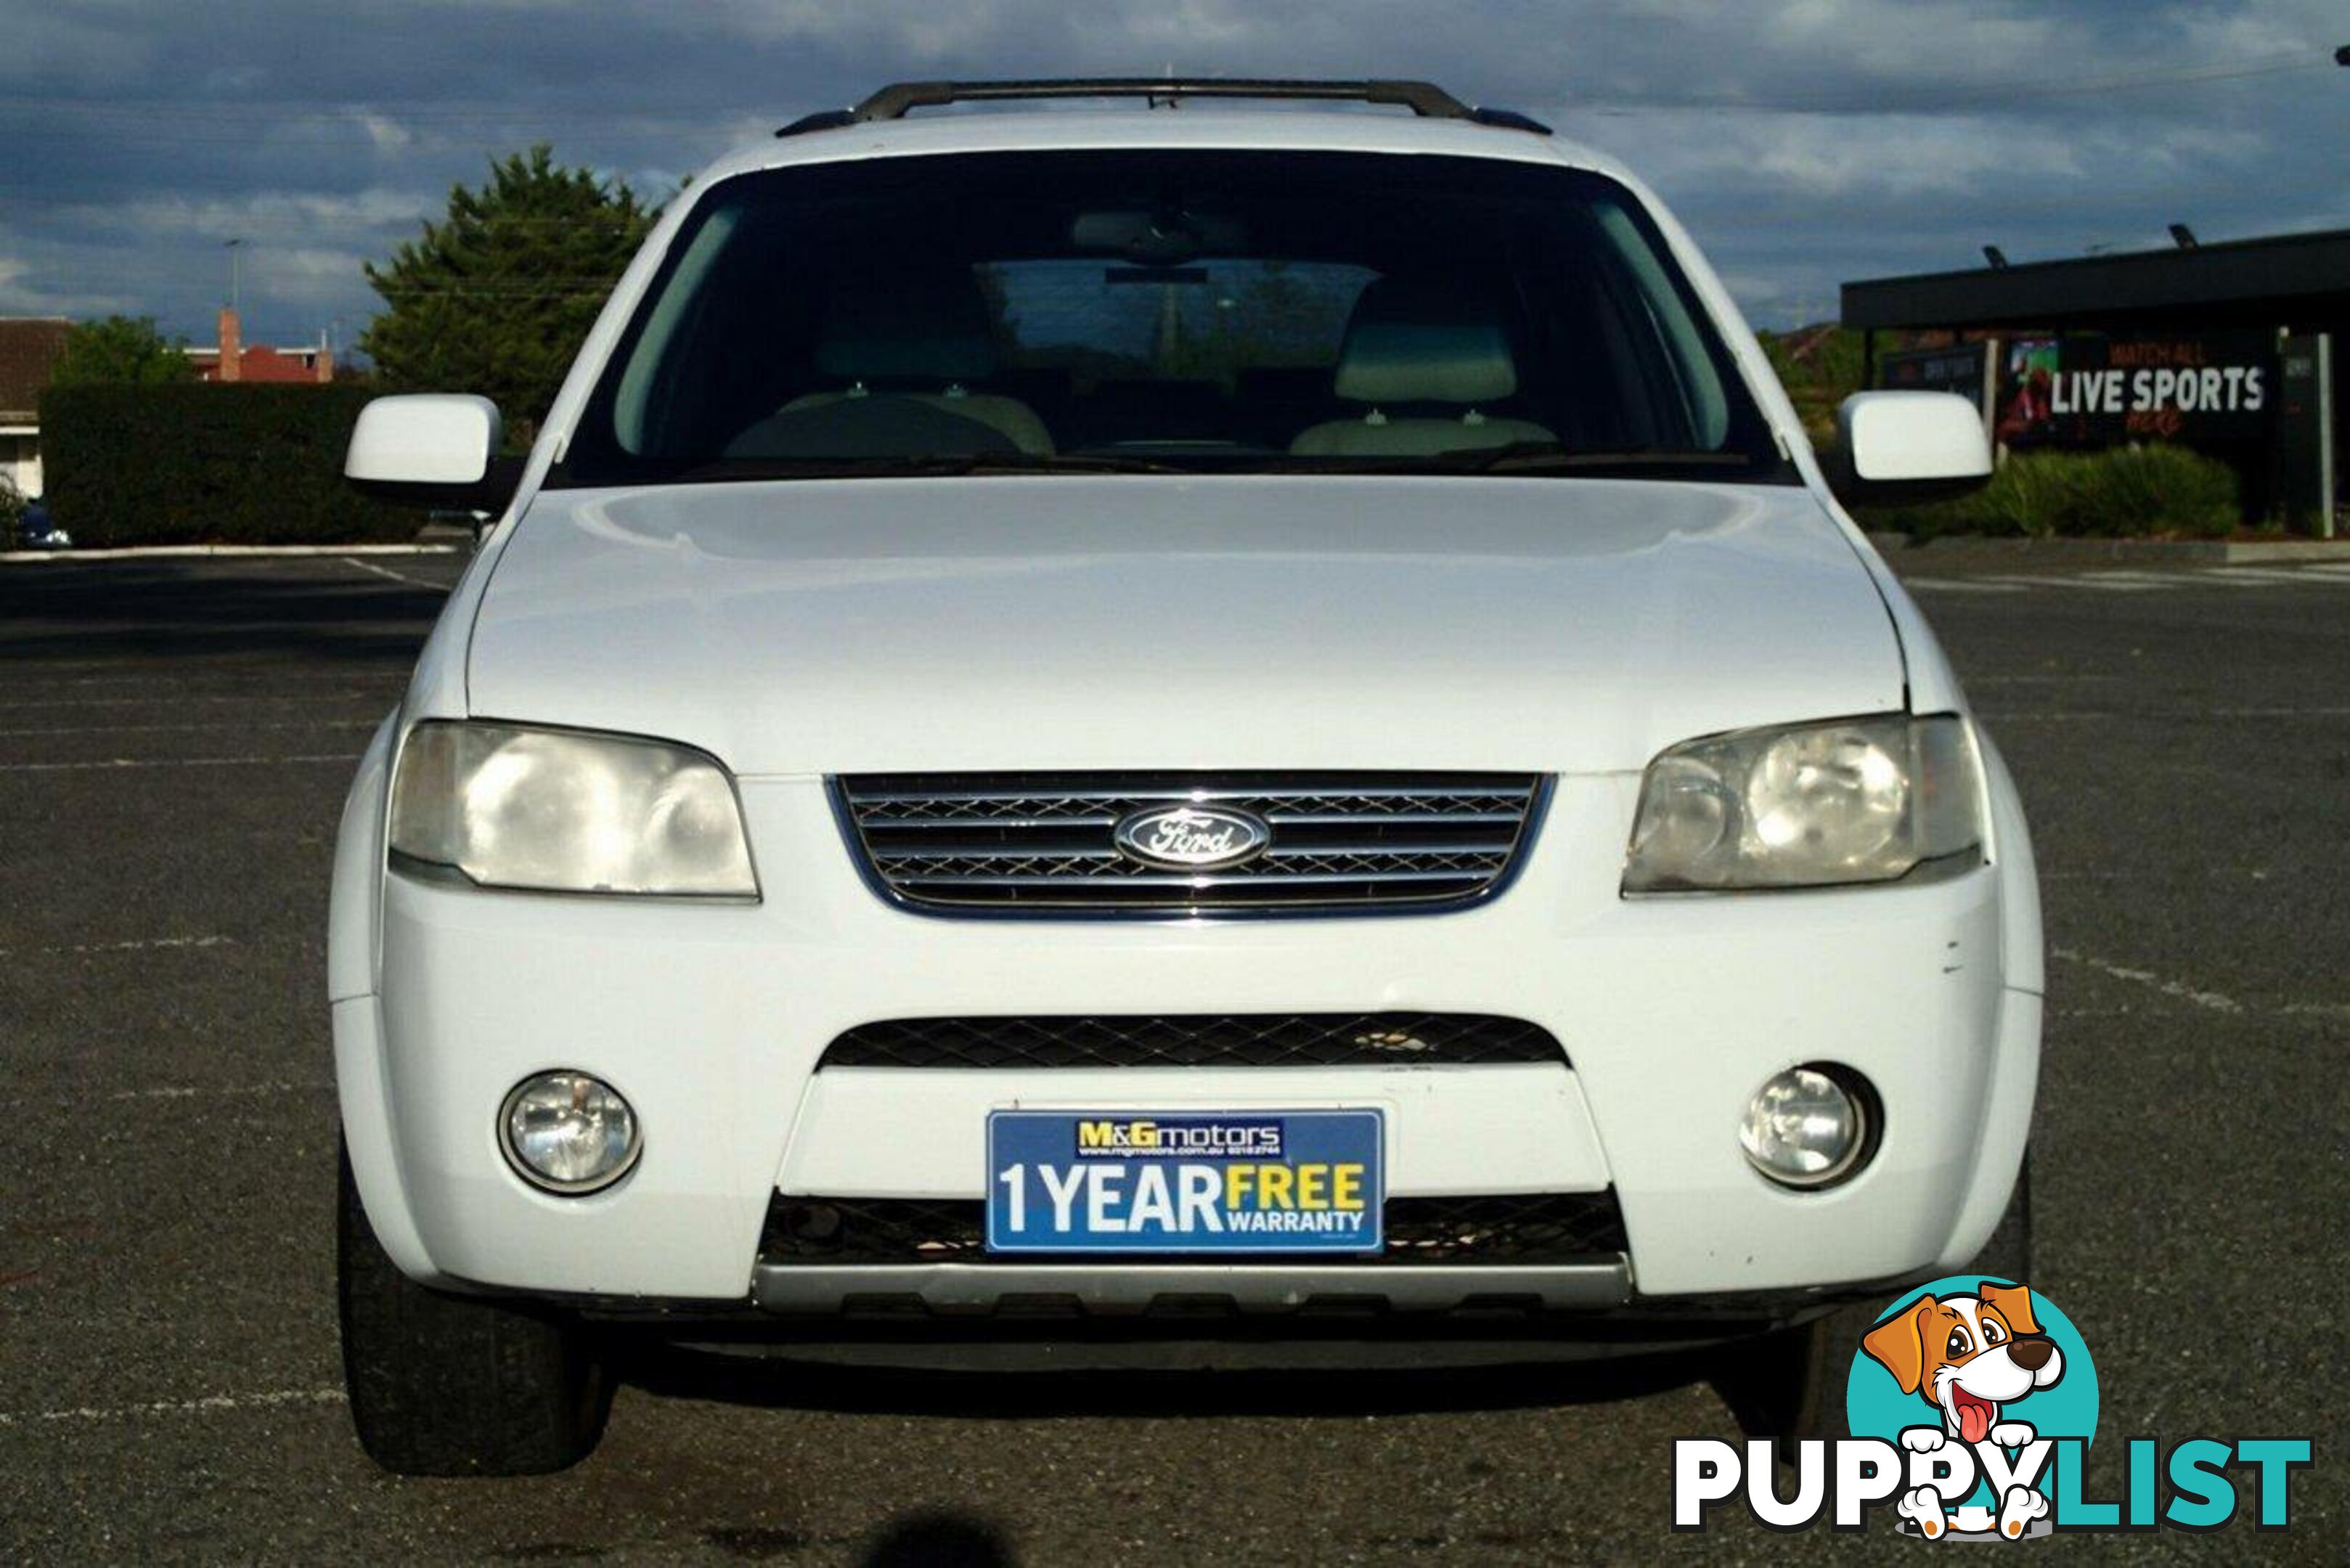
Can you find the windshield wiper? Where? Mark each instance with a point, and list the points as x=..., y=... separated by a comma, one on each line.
x=1536, y=457
x=1075, y=462
x=1529, y=457
x=915, y=467
x=1519, y=457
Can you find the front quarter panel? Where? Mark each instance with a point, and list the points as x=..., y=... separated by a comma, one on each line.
x=352, y=906
x=354, y=957
x=2023, y=957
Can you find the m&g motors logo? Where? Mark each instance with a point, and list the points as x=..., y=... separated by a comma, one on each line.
x=1196, y=1138
x=1971, y=1404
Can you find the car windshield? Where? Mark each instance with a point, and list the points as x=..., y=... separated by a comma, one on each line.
x=1169, y=311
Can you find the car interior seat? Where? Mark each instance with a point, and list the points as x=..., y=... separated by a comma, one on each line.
x=1428, y=360
x=898, y=342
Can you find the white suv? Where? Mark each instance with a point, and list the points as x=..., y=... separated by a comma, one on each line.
x=1112, y=731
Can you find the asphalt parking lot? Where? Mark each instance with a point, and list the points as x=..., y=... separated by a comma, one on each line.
x=175, y=738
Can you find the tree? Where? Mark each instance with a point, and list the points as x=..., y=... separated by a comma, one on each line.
x=497, y=296
x=121, y=349
x=1275, y=314
x=1820, y=366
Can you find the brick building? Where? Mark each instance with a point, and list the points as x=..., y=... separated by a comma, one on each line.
x=235, y=360
x=28, y=346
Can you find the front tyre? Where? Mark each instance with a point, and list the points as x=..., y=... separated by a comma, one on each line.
x=442, y=1384
x=1790, y=1385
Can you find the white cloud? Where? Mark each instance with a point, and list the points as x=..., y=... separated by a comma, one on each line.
x=260, y=215
x=387, y=134
x=22, y=294
x=56, y=43
x=2263, y=28
x=1821, y=156
x=1889, y=39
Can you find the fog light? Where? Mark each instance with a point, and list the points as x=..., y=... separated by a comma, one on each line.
x=1809, y=1126
x=568, y=1133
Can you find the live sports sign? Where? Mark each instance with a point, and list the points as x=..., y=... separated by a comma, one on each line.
x=2093, y=390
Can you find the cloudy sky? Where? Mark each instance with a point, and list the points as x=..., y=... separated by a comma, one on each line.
x=1804, y=142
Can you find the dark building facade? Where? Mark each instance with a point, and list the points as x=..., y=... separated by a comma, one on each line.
x=2232, y=348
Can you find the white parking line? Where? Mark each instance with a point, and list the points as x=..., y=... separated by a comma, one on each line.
x=226, y=1091
x=234, y=552
x=2147, y=977
x=2138, y=579
x=174, y=763
x=2070, y=715
x=2245, y=577
x=395, y=577
x=2031, y=580
x=1960, y=586
x=2258, y=574
x=2122, y=582
x=157, y=678
x=181, y=700
x=239, y=726
x=137, y=945
x=210, y=1404
x=2062, y=716
x=2280, y=712
x=170, y=762
x=2251, y=873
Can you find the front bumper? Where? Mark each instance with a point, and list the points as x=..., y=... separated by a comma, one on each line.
x=1132, y=1288
x=712, y=1019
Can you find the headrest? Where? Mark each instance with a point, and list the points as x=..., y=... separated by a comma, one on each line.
x=926, y=325
x=1410, y=342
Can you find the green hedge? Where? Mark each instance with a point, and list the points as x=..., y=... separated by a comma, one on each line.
x=203, y=464
x=2123, y=492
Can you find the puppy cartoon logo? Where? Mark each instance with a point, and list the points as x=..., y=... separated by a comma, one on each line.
x=1972, y=1402
x=1971, y=1358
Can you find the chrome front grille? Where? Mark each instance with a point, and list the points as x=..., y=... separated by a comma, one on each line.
x=1049, y=841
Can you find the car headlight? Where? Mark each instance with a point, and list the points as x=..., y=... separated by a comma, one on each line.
x=1809, y=805
x=559, y=811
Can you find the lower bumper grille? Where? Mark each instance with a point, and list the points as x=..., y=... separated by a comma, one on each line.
x=1535, y=1228
x=1266, y=1040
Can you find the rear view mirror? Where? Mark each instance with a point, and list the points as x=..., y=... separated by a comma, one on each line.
x=1907, y=447
x=435, y=449
x=1164, y=238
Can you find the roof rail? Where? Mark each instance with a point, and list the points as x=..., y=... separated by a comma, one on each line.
x=1423, y=98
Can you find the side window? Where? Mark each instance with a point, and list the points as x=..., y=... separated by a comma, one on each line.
x=643, y=396
x=1704, y=404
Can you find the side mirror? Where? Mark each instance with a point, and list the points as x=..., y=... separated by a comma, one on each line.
x=433, y=450
x=1910, y=447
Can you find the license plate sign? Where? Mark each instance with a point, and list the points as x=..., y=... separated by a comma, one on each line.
x=1185, y=1181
